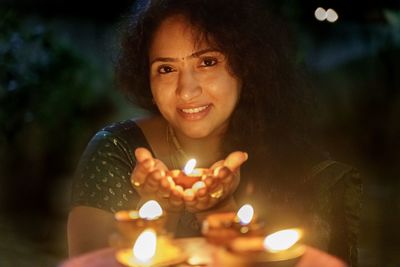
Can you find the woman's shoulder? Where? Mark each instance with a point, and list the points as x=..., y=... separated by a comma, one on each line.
x=126, y=132
x=129, y=126
x=337, y=205
x=330, y=172
x=336, y=180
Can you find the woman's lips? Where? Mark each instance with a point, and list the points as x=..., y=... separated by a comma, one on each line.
x=194, y=113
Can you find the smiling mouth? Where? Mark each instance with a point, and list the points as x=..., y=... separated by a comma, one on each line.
x=194, y=110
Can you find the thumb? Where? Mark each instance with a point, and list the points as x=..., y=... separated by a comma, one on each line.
x=142, y=154
x=235, y=159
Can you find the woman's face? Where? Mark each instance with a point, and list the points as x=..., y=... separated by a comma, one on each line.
x=191, y=83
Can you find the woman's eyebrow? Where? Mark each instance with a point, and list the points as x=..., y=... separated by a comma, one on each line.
x=194, y=55
x=204, y=51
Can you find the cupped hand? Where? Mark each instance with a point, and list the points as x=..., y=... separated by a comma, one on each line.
x=150, y=181
x=218, y=186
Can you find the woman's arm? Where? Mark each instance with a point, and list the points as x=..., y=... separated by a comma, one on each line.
x=345, y=217
x=336, y=209
x=88, y=229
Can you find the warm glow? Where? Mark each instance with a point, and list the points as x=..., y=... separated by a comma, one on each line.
x=198, y=185
x=245, y=214
x=282, y=240
x=331, y=15
x=145, y=246
x=150, y=210
x=189, y=167
x=320, y=14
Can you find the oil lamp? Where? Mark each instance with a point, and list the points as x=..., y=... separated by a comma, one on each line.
x=189, y=176
x=131, y=222
x=221, y=228
x=150, y=250
x=280, y=248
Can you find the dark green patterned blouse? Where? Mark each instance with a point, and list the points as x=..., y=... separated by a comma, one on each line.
x=102, y=181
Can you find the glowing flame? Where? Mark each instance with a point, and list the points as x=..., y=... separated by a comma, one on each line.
x=150, y=210
x=145, y=246
x=245, y=214
x=189, y=167
x=282, y=240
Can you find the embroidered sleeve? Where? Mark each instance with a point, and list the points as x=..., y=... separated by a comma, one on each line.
x=102, y=179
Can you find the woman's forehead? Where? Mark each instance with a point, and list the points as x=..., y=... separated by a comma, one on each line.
x=177, y=34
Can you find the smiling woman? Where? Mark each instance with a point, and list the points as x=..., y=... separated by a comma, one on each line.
x=191, y=83
x=220, y=89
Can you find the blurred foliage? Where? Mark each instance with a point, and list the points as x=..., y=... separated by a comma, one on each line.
x=50, y=96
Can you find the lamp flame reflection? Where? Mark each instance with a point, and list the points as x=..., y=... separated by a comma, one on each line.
x=245, y=214
x=282, y=240
x=145, y=246
x=150, y=210
x=189, y=167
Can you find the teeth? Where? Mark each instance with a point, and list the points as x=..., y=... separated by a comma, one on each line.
x=194, y=110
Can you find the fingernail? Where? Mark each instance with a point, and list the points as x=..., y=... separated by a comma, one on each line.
x=246, y=155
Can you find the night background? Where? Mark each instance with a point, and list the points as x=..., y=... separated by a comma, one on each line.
x=57, y=90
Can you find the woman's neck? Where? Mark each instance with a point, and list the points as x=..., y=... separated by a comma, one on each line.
x=205, y=150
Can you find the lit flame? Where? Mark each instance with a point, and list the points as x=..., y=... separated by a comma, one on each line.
x=145, y=246
x=150, y=210
x=245, y=214
x=282, y=240
x=189, y=167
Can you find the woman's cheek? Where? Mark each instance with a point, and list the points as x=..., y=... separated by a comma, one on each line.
x=163, y=85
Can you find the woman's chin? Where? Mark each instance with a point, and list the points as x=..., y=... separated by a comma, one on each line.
x=200, y=131
x=196, y=134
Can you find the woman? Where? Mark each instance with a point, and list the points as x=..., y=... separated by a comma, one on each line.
x=221, y=85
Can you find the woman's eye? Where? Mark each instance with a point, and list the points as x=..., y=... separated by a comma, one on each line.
x=165, y=69
x=208, y=62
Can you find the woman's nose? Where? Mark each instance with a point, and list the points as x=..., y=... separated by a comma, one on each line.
x=188, y=86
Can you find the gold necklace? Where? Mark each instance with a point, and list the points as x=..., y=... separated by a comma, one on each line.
x=177, y=156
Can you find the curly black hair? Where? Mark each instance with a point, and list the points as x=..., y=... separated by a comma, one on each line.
x=272, y=119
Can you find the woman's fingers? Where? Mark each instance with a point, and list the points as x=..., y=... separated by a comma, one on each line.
x=158, y=164
x=165, y=188
x=176, y=197
x=235, y=159
x=202, y=198
x=188, y=196
x=150, y=178
x=153, y=181
x=225, y=175
x=141, y=171
x=155, y=177
x=142, y=154
x=217, y=164
x=144, y=164
x=147, y=164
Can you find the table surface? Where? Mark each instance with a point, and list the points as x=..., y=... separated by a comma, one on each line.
x=200, y=253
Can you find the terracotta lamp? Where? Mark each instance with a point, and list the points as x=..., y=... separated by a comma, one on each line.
x=222, y=228
x=189, y=176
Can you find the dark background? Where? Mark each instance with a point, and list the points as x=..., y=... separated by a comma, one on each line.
x=56, y=91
